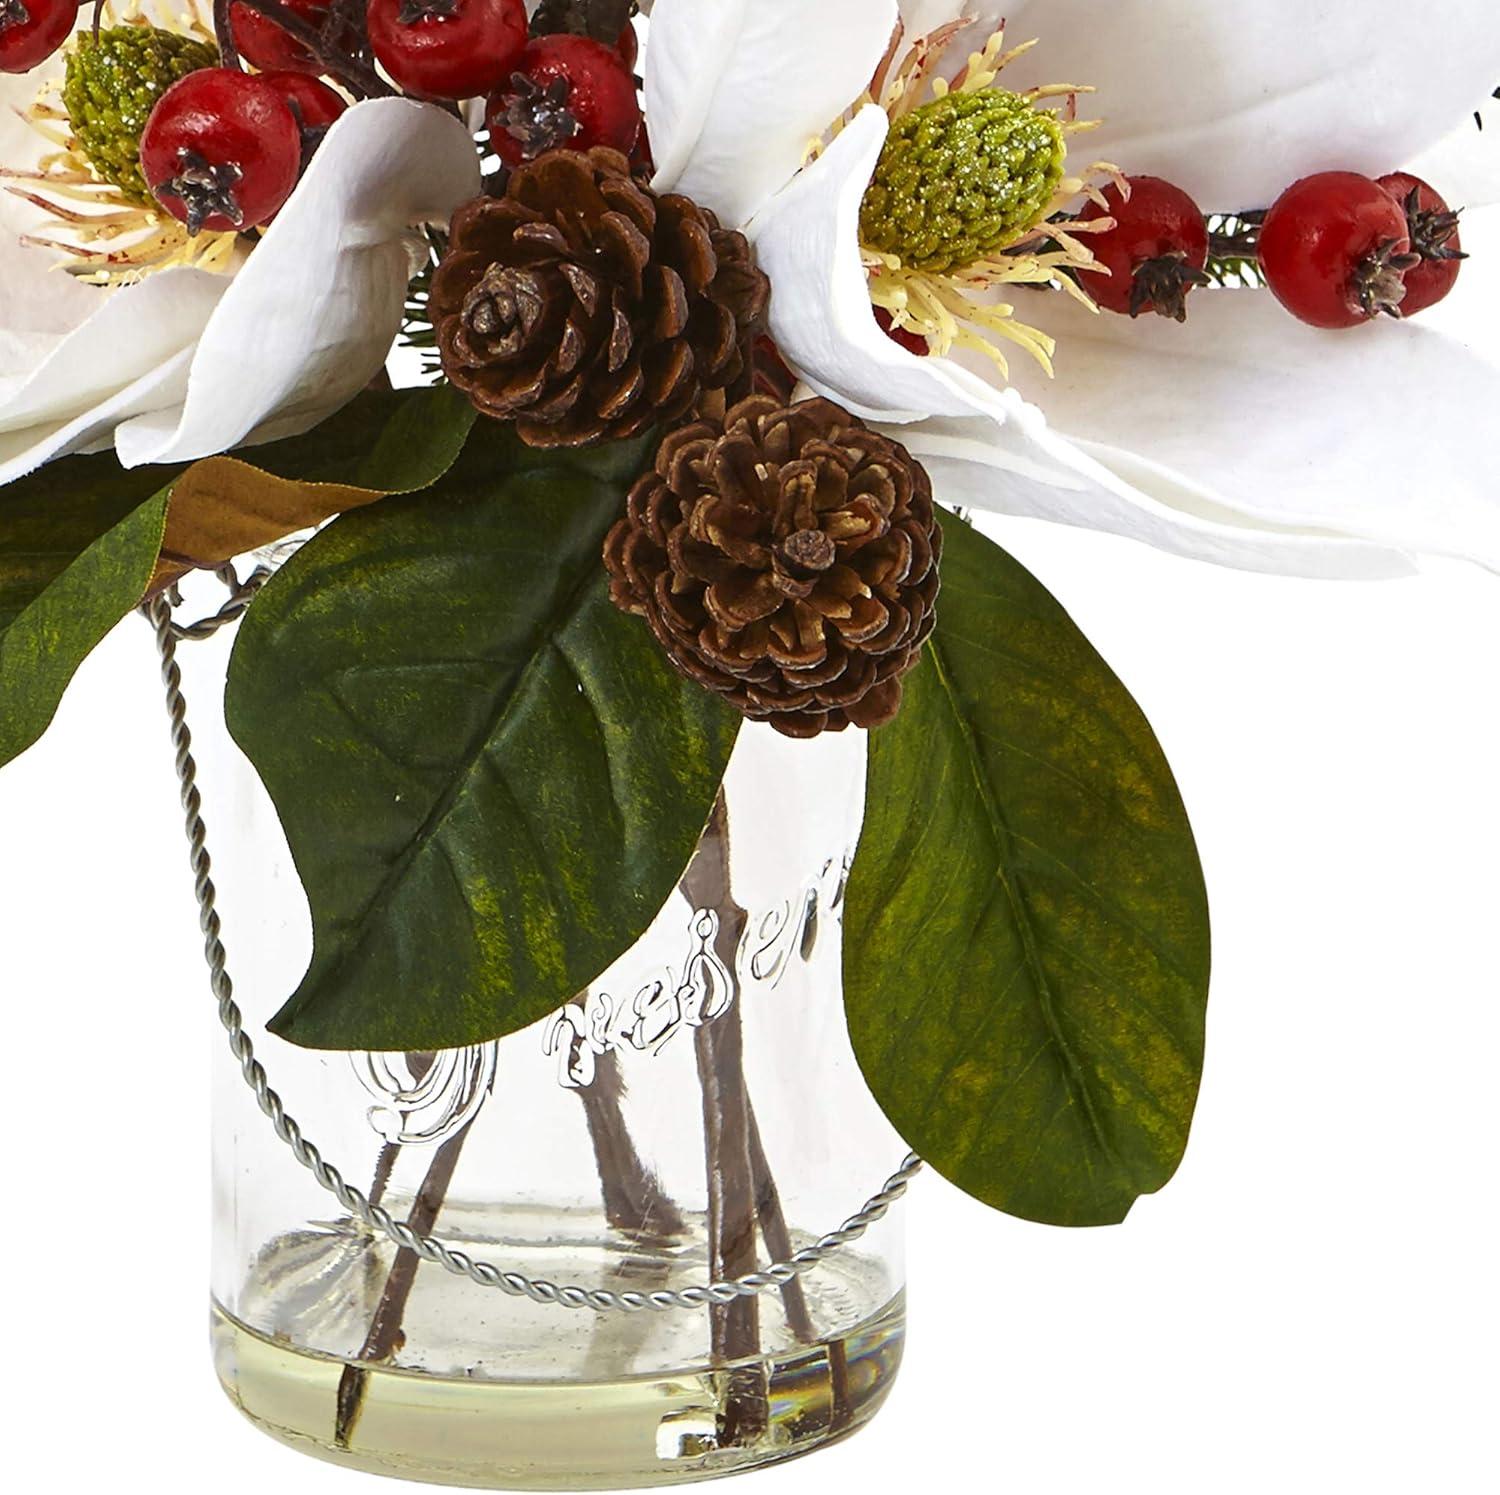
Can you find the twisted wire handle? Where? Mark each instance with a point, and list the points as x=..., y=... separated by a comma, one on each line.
x=429, y=1248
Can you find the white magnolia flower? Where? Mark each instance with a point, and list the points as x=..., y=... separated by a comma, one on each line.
x=187, y=362
x=1242, y=437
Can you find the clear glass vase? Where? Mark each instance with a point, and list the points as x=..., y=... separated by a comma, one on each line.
x=692, y=1117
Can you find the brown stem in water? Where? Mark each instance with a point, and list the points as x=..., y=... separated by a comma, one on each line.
x=842, y=1416
x=385, y=1165
x=719, y=1047
x=634, y=1201
x=734, y=1327
x=778, y=1236
x=390, y=1153
x=387, y=1334
x=707, y=885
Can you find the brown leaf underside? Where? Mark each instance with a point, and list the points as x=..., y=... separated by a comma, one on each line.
x=222, y=507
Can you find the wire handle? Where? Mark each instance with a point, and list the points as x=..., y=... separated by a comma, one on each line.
x=169, y=634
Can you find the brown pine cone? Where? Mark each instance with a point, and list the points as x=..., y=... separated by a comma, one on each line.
x=586, y=308
x=787, y=558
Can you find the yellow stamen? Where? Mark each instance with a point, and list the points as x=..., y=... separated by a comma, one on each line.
x=140, y=237
x=958, y=308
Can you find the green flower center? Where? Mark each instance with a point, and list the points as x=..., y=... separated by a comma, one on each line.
x=962, y=177
x=111, y=87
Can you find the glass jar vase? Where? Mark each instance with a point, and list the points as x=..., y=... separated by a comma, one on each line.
x=694, y=1116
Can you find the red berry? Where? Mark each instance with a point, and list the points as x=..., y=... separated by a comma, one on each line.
x=262, y=41
x=772, y=375
x=1335, y=250
x=448, y=49
x=1433, y=229
x=315, y=104
x=32, y=30
x=1155, y=253
x=629, y=46
x=221, y=150
x=566, y=92
x=913, y=342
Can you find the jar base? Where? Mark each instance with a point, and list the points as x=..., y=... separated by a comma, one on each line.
x=535, y=1435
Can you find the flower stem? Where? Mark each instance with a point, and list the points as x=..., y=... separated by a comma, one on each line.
x=732, y=1217
x=387, y=1333
x=774, y=1228
x=734, y=1327
x=634, y=1201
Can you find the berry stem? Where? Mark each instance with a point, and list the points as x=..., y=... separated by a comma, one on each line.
x=1237, y=235
x=229, y=54
x=338, y=60
x=1234, y=248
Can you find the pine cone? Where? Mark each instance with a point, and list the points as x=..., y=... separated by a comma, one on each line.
x=586, y=308
x=786, y=558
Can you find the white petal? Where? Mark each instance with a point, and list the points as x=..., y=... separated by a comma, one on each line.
x=21, y=148
x=807, y=241
x=75, y=360
x=93, y=428
x=923, y=17
x=1020, y=468
x=310, y=319
x=1246, y=417
x=125, y=358
x=1465, y=167
x=1235, y=102
x=42, y=305
x=37, y=299
x=736, y=90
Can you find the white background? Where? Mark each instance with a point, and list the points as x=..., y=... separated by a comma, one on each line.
x=1311, y=1306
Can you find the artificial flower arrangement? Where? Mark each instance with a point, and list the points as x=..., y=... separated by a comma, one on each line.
x=723, y=336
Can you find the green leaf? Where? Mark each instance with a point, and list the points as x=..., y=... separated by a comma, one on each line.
x=83, y=540
x=392, y=441
x=382, y=443
x=77, y=549
x=491, y=780
x=1027, y=947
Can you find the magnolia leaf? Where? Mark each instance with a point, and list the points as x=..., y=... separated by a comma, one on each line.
x=491, y=780
x=77, y=548
x=1027, y=948
x=83, y=540
x=381, y=444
